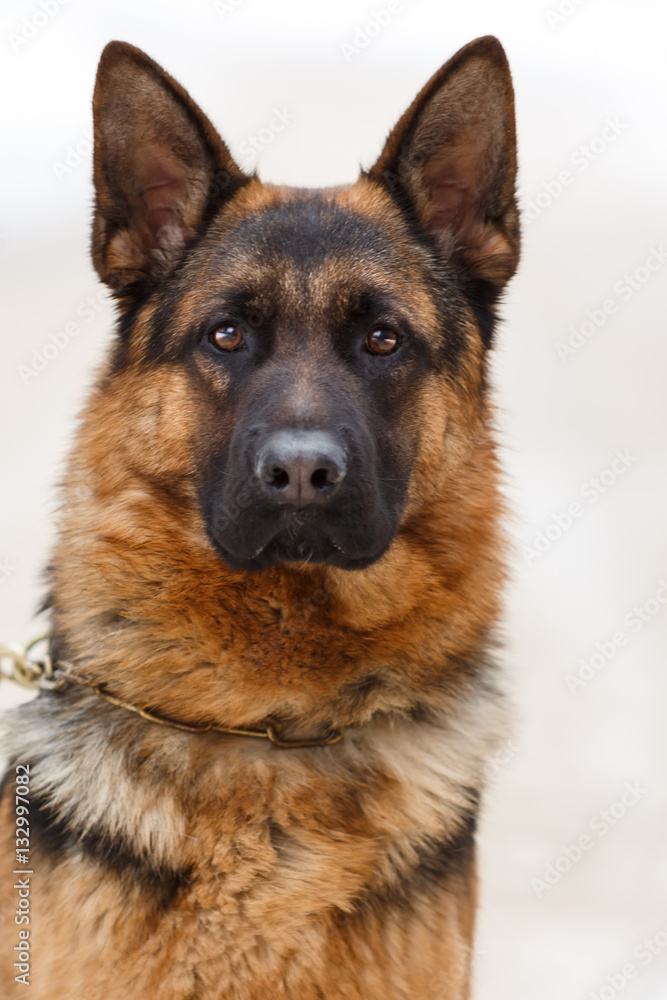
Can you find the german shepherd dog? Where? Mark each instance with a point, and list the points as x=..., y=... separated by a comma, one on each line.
x=257, y=770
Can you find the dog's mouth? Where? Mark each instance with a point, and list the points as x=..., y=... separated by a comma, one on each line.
x=299, y=542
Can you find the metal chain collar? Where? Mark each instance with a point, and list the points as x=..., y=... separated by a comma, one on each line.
x=41, y=675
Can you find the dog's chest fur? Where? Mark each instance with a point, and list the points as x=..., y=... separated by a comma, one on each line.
x=261, y=861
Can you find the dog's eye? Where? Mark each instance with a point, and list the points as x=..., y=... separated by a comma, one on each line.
x=226, y=337
x=382, y=340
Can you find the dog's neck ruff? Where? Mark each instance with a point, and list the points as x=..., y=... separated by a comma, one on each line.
x=43, y=675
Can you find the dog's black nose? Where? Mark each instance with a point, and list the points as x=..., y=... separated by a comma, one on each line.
x=300, y=467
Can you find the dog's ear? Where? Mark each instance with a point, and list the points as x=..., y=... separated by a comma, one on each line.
x=160, y=170
x=451, y=161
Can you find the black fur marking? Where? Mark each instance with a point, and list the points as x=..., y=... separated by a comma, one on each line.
x=158, y=345
x=482, y=296
x=53, y=838
x=308, y=230
x=438, y=861
x=124, y=328
x=58, y=649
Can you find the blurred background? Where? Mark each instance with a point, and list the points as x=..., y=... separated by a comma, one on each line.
x=574, y=833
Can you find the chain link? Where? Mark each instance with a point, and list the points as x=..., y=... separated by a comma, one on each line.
x=26, y=671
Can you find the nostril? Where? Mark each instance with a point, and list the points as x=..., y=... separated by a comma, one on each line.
x=278, y=477
x=321, y=479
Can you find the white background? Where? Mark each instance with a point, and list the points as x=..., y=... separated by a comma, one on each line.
x=562, y=421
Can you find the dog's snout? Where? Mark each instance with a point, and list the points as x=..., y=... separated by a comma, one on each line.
x=301, y=467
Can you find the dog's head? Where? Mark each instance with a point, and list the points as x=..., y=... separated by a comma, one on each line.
x=309, y=363
x=297, y=390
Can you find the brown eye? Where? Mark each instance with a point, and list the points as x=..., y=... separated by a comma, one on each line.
x=382, y=340
x=226, y=337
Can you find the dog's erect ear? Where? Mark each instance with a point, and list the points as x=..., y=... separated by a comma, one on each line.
x=452, y=159
x=160, y=169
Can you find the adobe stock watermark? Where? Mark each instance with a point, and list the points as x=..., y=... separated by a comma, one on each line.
x=22, y=885
x=591, y=491
x=625, y=288
x=364, y=33
x=605, y=651
x=75, y=154
x=581, y=158
x=225, y=7
x=252, y=145
x=7, y=569
x=600, y=825
x=566, y=8
x=33, y=24
x=645, y=952
x=86, y=311
x=501, y=758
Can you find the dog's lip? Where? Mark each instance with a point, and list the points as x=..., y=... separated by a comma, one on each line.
x=252, y=557
x=262, y=559
x=332, y=542
x=290, y=522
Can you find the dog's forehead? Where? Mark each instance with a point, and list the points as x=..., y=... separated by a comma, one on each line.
x=290, y=250
x=306, y=225
x=306, y=228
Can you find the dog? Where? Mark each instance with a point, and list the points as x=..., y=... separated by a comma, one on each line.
x=255, y=769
